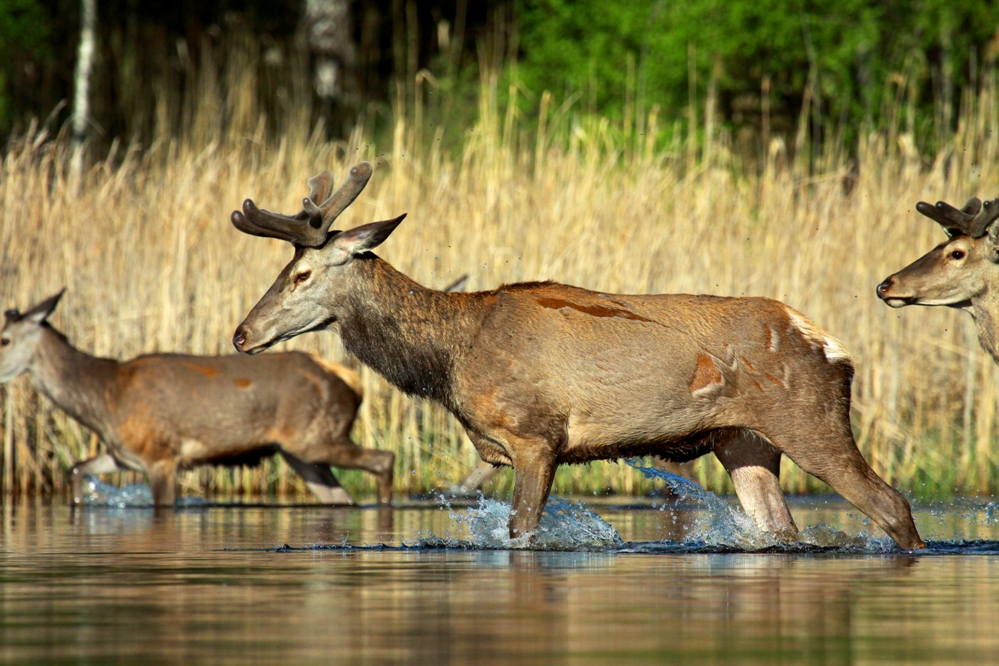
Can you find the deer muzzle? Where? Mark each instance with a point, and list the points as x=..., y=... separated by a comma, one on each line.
x=887, y=292
x=240, y=342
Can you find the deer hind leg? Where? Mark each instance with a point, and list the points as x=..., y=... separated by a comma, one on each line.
x=823, y=445
x=163, y=482
x=345, y=453
x=102, y=464
x=320, y=480
x=476, y=478
x=754, y=466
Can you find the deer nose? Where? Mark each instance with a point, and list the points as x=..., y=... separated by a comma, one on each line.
x=239, y=339
x=884, y=287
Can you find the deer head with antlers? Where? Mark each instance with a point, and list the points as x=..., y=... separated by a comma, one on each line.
x=292, y=305
x=962, y=272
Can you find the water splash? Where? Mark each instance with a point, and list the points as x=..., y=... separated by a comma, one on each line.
x=721, y=524
x=726, y=526
x=134, y=495
x=564, y=526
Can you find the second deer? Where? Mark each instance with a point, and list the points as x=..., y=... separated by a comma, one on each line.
x=542, y=374
x=962, y=272
x=163, y=412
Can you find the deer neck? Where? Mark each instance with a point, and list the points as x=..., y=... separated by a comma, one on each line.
x=407, y=333
x=985, y=310
x=78, y=383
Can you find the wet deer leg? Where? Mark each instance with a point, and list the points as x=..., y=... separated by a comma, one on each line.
x=163, y=482
x=320, y=480
x=754, y=466
x=534, y=470
x=102, y=464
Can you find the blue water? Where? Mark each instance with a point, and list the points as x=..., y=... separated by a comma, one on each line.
x=702, y=522
x=627, y=581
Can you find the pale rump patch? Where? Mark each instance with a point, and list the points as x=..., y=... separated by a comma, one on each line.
x=350, y=377
x=706, y=375
x=831, y=347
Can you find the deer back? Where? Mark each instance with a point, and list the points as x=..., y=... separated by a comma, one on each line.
x=226, y=403
x=615, y=368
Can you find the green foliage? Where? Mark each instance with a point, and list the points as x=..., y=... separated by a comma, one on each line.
x=23, y=33
x=22, y=26
x=849, y=49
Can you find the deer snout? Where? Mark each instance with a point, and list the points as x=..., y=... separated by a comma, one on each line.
x=888, y=292
x=239, y=339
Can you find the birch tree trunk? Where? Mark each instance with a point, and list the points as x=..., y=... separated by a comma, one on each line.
x=331, y=48
x=81, y=99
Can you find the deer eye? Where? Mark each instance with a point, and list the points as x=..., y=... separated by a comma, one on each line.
x=957, y=254
x=4, y=342
x=302, y=277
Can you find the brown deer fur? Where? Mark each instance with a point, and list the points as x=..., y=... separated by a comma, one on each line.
x=542, y=374
x=161, y=412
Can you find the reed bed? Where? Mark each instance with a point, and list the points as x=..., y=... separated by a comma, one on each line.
x=143, y=243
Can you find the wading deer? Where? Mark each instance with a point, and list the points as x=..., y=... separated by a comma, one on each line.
x=962, y=272
x=160, y=412
x=541, y=374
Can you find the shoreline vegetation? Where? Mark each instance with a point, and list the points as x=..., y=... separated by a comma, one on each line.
x=143, y=242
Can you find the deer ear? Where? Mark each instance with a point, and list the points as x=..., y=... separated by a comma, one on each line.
x=367, y=236
x=41, y=312
x=457, y=285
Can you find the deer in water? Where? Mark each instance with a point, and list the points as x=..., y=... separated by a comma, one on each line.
x=161, y=412
x=542, y=374
x=962, y=272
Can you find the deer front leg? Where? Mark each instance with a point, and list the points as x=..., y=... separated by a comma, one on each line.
x=163, y=482
x=534, y=469
x=102, y=464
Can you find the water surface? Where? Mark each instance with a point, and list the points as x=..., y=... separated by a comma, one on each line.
x=630, y=583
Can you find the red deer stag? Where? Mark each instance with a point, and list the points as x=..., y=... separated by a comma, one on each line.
x=962, y=272
x=160, y=412
x=541, y=374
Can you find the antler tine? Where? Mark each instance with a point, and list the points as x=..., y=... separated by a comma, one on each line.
x=955, y=222
x=320, y=187
x=300, y=229
x=308, y=227
x=989, y=213
x=331, y=208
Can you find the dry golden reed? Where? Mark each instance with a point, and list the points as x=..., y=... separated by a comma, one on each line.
x=151, y=263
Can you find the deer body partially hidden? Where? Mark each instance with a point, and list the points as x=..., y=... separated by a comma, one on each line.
x=962, y=272
x=163, y=412
x=542, y=374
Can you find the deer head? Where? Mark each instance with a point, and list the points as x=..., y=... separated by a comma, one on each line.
x=20, y=335
x=960, y=270
x=306, y=294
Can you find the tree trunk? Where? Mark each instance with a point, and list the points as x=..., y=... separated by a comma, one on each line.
x=81, y=100
x=329, y=39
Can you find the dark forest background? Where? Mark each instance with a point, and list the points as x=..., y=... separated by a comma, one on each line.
x=765, y=67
